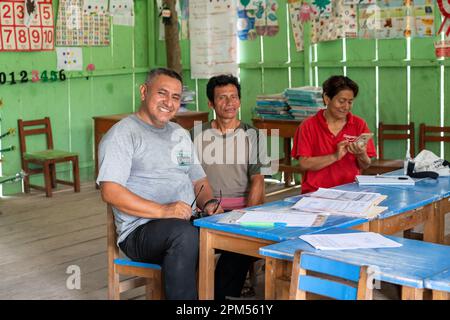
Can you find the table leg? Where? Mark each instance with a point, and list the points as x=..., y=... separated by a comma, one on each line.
x=440, y=295
x=432, y=225
x=206, y=266
x=270, y=278
x=409, y=293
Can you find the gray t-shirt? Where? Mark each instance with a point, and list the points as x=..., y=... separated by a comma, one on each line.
x=230, y=160
x=157, y=164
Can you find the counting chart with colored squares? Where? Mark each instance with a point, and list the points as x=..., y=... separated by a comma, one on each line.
x=15, y=36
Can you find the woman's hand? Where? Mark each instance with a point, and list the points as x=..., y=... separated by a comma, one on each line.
x=357, y=149
x=341, y=149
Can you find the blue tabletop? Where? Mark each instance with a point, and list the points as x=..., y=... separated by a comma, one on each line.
x=440, y=281
x=440, y=186
x=407, y=265
x=276, y=233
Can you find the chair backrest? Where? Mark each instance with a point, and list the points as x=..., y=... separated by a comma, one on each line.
x=328, y=278
x=43, y=127
x=432, y=134
x=403, y=132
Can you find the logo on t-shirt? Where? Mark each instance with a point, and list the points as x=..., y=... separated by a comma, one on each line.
x=184, y=158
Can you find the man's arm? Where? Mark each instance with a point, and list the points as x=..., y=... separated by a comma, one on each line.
x=320, y=162
x=130, y=203
x=257, y=192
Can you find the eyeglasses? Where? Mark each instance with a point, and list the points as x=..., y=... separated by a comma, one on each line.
x=198, y=193
x=203, y=214
x=218, y=202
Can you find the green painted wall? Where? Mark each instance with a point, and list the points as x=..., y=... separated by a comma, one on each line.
x=267, y=65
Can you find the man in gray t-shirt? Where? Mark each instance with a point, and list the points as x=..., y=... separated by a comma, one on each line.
x=150, y=174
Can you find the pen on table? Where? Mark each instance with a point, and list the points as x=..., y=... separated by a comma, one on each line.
x=392, y=177
x=198, y=193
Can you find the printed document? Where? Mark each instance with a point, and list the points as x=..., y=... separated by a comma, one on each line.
x=370, y=197
x=311, y=204
x=357, y=240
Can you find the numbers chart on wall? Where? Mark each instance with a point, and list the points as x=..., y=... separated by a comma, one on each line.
x=16, y=36
x=33, y=76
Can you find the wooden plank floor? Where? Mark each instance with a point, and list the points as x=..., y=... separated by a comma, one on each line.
x=41, y=237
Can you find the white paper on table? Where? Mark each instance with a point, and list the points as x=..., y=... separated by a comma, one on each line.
x=290, y=219
x=69, y=58
x=122, y=12
x=369, y=197
x=311, y=204
x=357, y=240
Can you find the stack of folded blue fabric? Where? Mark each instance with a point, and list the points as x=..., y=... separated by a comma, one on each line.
x=272, y=106
x=304, y=101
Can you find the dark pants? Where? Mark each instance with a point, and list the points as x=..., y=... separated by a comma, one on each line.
x=231, y=271
x=173, y=244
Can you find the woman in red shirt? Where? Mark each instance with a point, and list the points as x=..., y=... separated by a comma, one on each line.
x=322, y=142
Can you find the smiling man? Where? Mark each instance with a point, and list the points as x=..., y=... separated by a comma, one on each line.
x=232, y=155
x=324, y=143
x=151, y=191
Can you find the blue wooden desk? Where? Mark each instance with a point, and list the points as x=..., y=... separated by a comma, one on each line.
x=440, y=187
x=247, y=240
x=440, y=284
x=407, y=266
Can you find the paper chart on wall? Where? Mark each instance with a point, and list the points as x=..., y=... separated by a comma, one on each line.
x=83, y=23
x=422, y=24
x=385, y=20
x=69, y=59
x=295, y=8
x=212, y=31
x=95, y=6
x=26, y=26
x=122, y=12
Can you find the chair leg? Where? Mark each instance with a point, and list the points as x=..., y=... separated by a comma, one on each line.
x=47, y=180
x=76, y=175
x=158, y=292
x=113, y=286
x=53, y=174
x=26, y=180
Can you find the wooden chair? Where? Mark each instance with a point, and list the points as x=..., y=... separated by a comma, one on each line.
x=45, y=159
x=329, y=278
x=403, y=132
x=432, y=134
x=147, y=274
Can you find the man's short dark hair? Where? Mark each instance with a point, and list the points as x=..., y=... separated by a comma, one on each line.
x=162, y=71
x=220, y=81
x=334, y=84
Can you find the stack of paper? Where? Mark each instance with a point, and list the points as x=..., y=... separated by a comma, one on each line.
x=384, y=180
x=356, y=240
x=339, y=202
